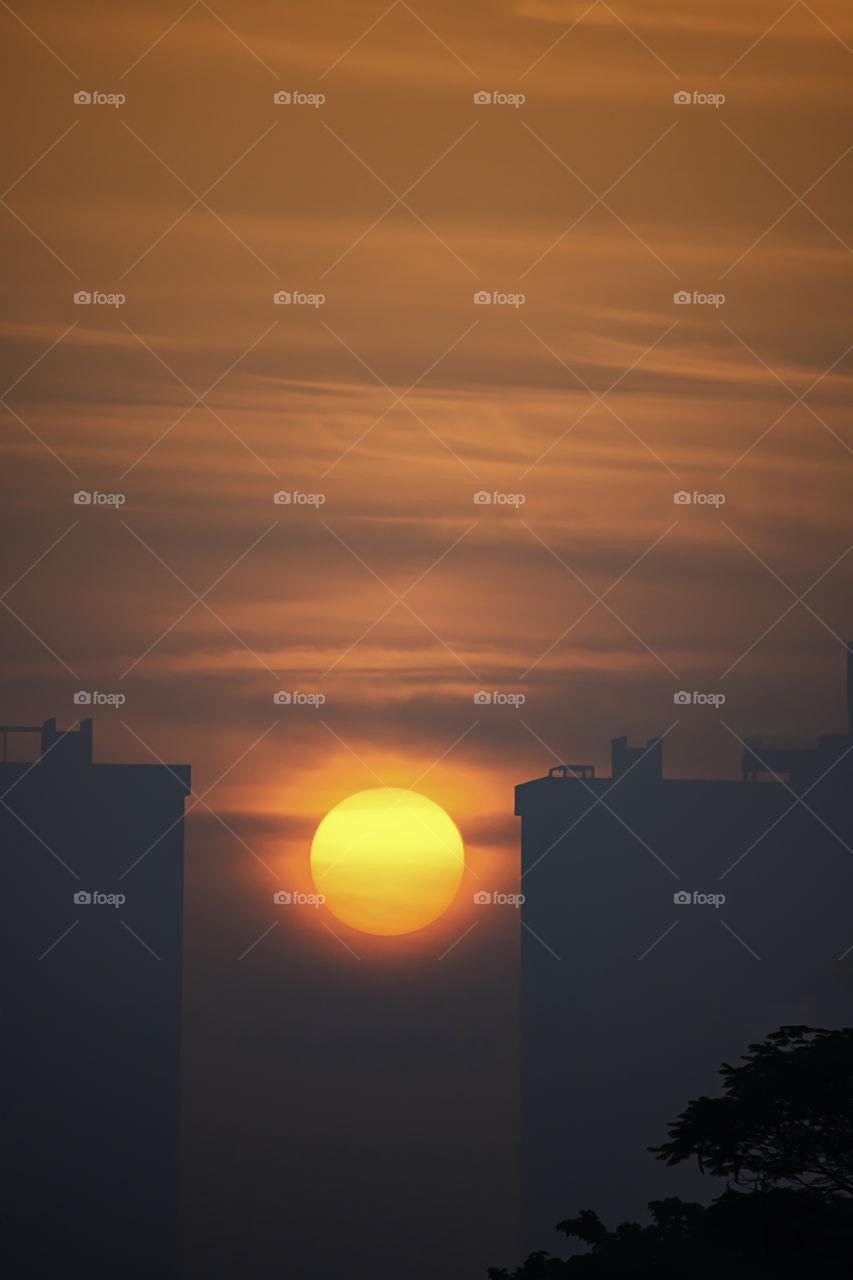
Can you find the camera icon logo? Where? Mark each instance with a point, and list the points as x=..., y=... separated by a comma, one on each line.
x=82, y=498
x=482, y=698
x=482, y=498
x=482, y=897
x=681, y=98
x=282, y=298
x=282, y=698
x=82, y=298
x=82, y=898
x=682, y=698
x=482, y=298
x=481, y=97
x=682, y=498
x=282, y=898
x=282, y=498
x=82, y=98
x=82, y=698
x=282, y=97
x=682, y=298
x=682, y=898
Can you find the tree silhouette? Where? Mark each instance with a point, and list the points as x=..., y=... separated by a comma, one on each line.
x=785, y=1118
x=782, y=1133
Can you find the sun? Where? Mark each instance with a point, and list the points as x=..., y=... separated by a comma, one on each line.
x=387, y=860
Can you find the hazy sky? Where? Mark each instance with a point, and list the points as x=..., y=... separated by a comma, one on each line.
x=596, y=399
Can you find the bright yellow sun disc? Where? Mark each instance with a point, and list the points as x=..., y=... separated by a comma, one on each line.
x=387, y=860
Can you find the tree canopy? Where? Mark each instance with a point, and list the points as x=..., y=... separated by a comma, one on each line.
x=781, y=1134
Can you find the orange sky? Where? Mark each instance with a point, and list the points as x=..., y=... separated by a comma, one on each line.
x=597, y=199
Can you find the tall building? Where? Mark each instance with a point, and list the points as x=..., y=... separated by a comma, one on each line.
x=667, y=924
x=92, y=922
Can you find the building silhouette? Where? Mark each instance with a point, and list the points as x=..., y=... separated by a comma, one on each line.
x=92, y=922
x=638, y=980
